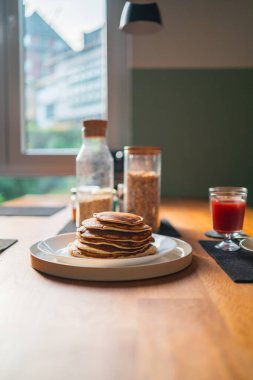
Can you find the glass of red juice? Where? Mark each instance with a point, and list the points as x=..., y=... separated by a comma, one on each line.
x=228, y=208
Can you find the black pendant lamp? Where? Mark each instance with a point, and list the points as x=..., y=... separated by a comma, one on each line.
x=140, y=18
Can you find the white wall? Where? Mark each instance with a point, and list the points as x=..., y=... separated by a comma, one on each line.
x=199, y=33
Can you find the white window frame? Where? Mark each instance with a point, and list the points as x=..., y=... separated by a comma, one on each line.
x=49, y=162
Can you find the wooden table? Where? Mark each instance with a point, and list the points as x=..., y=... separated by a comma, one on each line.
x=196, y=324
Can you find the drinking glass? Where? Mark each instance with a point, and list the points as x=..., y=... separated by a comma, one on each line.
x=228, y=208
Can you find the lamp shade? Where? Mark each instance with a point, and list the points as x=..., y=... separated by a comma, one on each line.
x=141, y=18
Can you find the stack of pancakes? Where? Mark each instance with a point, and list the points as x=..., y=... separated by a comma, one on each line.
x=113, y=235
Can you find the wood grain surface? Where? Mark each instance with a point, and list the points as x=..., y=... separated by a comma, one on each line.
x=196, y=324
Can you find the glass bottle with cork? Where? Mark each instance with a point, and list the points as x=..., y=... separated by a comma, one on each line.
x=94, y=172
x=73, y=203
x=142, y=181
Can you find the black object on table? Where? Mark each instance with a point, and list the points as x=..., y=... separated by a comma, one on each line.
x=29, y=210
x=69, y=227
x=6, y=243
x=167, y=229
x=238, y=265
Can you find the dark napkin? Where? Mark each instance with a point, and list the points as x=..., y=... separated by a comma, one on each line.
x=29, y=211
x=69, y=227
x=6, y=243
x=238, y=265
x=165, y=229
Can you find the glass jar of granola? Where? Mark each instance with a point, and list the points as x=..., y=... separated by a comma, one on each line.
x=142, y=180
x=94, y=172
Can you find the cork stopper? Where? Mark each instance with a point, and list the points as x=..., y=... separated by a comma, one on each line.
x=142, y=150
x=94, y=128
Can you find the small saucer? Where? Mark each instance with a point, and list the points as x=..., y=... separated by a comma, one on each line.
x=247, y=244
x=216, y=235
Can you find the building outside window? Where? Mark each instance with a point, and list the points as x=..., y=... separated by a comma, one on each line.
x=65, y=78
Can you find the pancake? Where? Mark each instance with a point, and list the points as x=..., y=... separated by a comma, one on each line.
x=93, y=223
x=119, y=218
x=108, y=248
x=113, y=235
x=127, y=236
x=74, y=251
x=115, y=243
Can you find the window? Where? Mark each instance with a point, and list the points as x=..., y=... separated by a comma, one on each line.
x=50, y=81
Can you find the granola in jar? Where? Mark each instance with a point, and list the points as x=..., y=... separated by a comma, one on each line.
x=87, y=206
x=142, y=183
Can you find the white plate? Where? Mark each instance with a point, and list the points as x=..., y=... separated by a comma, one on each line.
x=174, y=261
x=57, y=247
x=247, y=244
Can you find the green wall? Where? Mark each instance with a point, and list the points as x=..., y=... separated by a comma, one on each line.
x=203, y=121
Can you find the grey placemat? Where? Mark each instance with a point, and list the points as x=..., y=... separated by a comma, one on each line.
x=69, y=227
x=238, y=265
x=6, y=243
x=29, y=211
